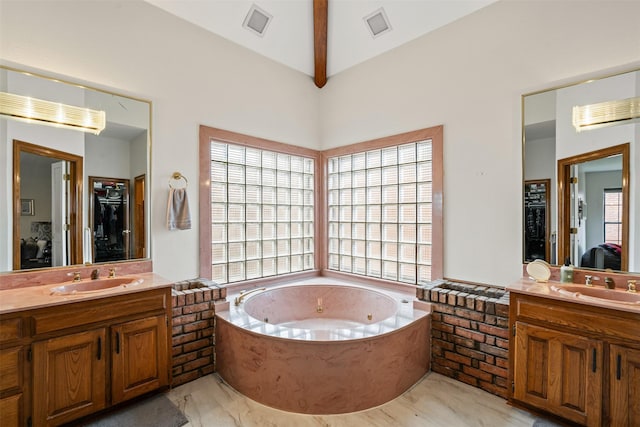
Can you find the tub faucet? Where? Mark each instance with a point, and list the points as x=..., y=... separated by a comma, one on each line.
x=609, y=283
x=95, y=274
x=631, y=286
x=244, y=294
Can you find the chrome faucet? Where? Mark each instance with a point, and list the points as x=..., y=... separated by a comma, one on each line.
x=631, y=286
x=609, y=283
x=95, y=274
x=244, y=294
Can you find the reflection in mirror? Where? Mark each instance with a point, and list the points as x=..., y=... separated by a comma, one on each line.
x=536, y=214
x=109, y=219
x=46, y=193
x=120, y=151
x=594, y=208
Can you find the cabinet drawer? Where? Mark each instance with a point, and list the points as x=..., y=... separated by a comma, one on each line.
x=10, y=369
x=100, y=310
x=10, y=329
x=587, y=319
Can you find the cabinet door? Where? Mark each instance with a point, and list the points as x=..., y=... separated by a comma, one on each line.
x=625, y=386
x=140, y=357
x=70, y=375
x=11, y=386
x=559, y=372
x=11, y=411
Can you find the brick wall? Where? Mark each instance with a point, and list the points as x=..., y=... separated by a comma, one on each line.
x=469, y=333
x=193, y=328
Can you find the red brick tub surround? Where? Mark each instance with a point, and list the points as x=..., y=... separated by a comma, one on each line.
x=318, y=352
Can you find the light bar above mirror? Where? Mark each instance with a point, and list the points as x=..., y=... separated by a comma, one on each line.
x=594, y=116
x=40, y=111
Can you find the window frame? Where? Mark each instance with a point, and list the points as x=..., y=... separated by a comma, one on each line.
x=620, y=209
x=321, y=239
x=209, y=134
x=435, y=134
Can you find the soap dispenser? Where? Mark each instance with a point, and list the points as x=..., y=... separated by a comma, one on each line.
x=566, y=271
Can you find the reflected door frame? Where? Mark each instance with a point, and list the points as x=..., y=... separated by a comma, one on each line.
x=564, y=198
x=126, y=233
x=139, y=236
x=547, y=215
x=75, y=197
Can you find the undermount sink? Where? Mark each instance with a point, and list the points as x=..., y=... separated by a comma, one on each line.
x=95, y=285
x=585, y=292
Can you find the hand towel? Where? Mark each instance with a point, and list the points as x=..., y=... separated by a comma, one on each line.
x=178, y=216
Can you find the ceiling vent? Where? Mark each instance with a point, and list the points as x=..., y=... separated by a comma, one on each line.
x=377, y=23
x=257, y=20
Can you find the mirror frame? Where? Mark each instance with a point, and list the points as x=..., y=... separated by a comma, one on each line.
x=564, y=198
x=79, y=191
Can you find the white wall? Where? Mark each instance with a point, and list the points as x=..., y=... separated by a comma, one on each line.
x=468, y=76
x=191, y=76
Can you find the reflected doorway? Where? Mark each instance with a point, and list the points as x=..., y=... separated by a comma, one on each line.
x=47, y=185
x=593, y=208
x=109, y=219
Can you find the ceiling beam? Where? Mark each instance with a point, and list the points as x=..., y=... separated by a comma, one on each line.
x=320, y=18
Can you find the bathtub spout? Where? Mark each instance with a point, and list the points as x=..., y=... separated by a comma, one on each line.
x=244, y=294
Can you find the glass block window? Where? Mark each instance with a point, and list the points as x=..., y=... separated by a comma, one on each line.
x=613, y=216
x=262, y=213
x=380, y=212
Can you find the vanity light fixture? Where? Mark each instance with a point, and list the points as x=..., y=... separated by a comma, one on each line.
x=607, y=113
x=39, y=111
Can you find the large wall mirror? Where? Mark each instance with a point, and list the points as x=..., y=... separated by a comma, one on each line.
x=73, y=197
x=582, y=185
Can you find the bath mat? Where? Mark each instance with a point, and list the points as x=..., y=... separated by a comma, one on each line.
x=541, y=422
x=156, y=411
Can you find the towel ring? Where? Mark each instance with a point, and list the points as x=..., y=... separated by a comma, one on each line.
x=178, y=176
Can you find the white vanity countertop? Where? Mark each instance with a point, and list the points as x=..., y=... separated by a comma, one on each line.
x=550, y=290
x=28, y=298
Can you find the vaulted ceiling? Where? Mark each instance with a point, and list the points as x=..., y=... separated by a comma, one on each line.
x=288, y=37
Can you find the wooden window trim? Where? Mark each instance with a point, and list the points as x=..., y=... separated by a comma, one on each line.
x=206, y=134
x=435, y=134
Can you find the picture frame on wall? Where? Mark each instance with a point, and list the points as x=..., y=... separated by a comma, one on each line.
x=26, y=207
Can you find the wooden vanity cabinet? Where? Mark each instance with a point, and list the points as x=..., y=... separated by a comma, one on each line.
x=577, y=362
x=13, y=372
x=624, y=367
x=89, y=355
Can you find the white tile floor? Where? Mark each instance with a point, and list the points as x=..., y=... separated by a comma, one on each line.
x=434, y=401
